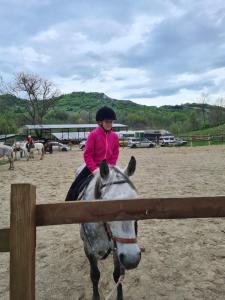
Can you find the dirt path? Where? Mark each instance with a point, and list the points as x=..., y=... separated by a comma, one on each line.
x=184, y=259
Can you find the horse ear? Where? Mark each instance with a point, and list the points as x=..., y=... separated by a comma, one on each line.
x=104, y=169
x=130, y=169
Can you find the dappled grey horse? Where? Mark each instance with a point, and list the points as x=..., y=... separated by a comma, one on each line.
x=119, y=236
x=6, y=151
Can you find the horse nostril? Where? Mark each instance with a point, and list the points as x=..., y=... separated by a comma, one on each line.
x=101, y=253
x=121, y=257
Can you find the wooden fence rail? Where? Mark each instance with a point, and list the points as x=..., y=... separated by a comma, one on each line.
x=25, y=215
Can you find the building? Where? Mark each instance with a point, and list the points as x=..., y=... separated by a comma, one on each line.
x=7, y=138
x=155, y=134
x=66, y=132
x=152, y=135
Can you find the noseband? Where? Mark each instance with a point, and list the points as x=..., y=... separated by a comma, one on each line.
x=118, y=239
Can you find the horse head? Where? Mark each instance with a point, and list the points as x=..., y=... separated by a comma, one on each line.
x=114, y=183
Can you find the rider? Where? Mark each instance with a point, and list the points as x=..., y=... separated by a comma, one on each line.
x=102, y=143
x=29, y=142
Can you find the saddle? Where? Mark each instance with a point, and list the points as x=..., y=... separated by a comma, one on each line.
x=84, y=186
x=78, y=189
x=29, y=145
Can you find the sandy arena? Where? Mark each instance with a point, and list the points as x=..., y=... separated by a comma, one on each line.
x=183, y=259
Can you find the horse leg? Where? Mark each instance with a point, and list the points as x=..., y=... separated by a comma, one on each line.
x=15, y=154
x=29, y=155
x=11, y=163
x=94, y=274
x=42, y=153
x=118, y=271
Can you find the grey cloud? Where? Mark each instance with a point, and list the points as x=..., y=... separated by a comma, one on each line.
x=188, y=39
x=168, y=91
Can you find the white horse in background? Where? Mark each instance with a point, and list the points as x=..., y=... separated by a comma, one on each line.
x=6, y=151
x=20, y=147
x=37, y=147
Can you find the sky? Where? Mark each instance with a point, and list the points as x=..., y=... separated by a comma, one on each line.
x=151, y=52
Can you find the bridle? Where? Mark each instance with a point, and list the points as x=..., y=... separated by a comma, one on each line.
x=98, y=195
x=99, y=186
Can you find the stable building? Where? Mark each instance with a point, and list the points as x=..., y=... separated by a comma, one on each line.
x=66, y=132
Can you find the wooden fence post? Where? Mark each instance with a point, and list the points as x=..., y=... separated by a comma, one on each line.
x=22, y=242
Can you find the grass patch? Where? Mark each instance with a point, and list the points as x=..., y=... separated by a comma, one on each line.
x=3, y=162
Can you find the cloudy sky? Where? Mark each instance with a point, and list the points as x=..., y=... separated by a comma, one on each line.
x=152, y=52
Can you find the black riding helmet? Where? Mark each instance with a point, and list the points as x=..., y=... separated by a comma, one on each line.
x=105, y=113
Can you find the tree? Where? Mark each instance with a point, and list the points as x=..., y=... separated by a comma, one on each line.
x=37, y=95
x=219, y=111
x=7, y=123
x=194, y=121
x=204, y=101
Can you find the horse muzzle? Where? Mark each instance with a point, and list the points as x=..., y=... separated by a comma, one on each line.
x=130, y=261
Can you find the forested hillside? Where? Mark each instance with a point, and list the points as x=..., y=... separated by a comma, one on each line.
x=80, y=107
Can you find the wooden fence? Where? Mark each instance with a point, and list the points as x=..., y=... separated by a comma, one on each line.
x=207, y=139
x=25, y=215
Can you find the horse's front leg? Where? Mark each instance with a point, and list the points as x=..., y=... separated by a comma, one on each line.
x=28, y=155
x=118, y=271
x=11, y=164
x=94, y=274
x=42, y=153
x=15, y=154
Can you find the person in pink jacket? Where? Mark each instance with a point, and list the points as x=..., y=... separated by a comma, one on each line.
x=102, y=143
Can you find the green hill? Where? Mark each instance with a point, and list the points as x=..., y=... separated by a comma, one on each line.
x=80, y=107
x=212, y=131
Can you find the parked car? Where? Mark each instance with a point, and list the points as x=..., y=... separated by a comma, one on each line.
x=56, y=146
x=167, y=140
x=180, y=142
x=140, y=143
x=82, y=144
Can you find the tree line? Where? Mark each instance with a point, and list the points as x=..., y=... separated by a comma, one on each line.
x=29, y=99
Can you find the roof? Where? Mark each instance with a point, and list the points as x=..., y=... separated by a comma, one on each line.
x=6, y=136
x=68, y=126
x=157, y=131
x=70, y=135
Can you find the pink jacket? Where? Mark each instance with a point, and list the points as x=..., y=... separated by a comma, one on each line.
x=101, y=145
